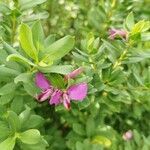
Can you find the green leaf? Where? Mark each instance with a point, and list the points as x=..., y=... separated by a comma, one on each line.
x=145, y=36
x=130, y=21
x=58, y=49
x=102, y=141
x=49, y=40
x=90, y=127
x=4, y=99
x=4, y=9
x=90, y=42
x=9, y=49
x=38, y=35
x=41, y=145
x=61, y=69
x=30, y=3
x=4, y=130
x=7, y=88
x=34, y=121
x=24, y=116
x=14, y=121
x=5, y=71
x=78, y=128
x=23, y=77
x=8, y=144
x=139, y=27
x=20, y=59
x=31, y=136
x=31, y=88
x=57, y=80
x=25, y=36
x=17, y=104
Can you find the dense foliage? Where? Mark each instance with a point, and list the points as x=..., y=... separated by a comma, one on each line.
x=107, y=41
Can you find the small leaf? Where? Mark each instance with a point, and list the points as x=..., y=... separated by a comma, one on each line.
x=25, y=36
x=20, y=59
x=102, y=141
x=78, y=128
x=9, y=49
x=130, y=21
x=90, y=127
x=34, y=121
x=17, y=104
x=7, y=88
x=4, y=130
x=14, y=121
x=24, y=116
x=49, y=40
x=4, y=99
x=5, y=71
x=8, y=144
x=31, y=136
x=57, y=80
x=38, y=35
x=23, y=77
x=30, y=4
x=61, y=69
x=59, y=49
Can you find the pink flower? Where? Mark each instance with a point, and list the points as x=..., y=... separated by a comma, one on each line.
x=45, y=85
x=127, y=135
x=74, y=73
x=113, y=33
x=75, y=92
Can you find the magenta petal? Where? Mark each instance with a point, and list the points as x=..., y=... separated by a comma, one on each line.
x=78, y=91
x=44, y=95
x=66, y=101
x=41, y=81
x=56, y=97
x=74, y=73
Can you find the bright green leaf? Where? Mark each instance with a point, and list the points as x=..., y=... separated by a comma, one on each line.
x=31, y=136
x=26, y=40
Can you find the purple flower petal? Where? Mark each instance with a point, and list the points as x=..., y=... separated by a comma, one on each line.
x=78, y=91
x=44, y=95
x=41, y=81
x=127, y=135
x=66, y=101
x=117, y=32
x=56, y=97
x=74, y=73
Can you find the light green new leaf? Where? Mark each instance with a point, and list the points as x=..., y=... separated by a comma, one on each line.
x=102, y=140
x=38, y=35
x=31, y=136
x=130, y=21
x=25, y=36
x=21, y=59
x=59, y=49
x=8, y=144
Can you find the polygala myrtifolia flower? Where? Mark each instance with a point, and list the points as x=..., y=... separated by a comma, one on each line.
x=113, y=33
x=127, y=135
x=57, y=96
